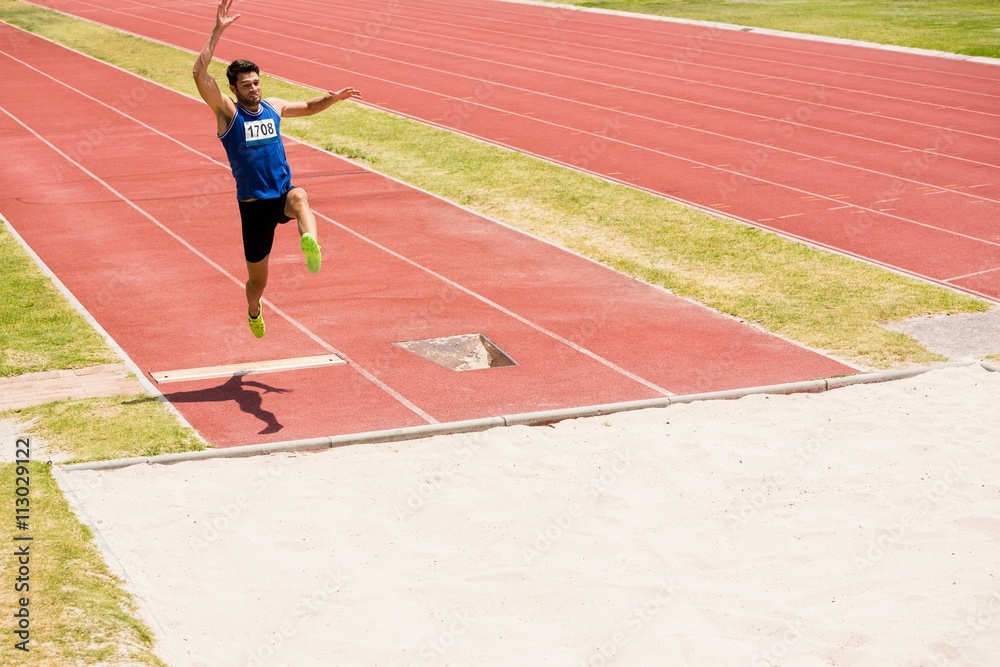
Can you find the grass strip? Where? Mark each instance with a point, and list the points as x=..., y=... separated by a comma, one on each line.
x=39, y=330
x=955, y=26
x=98, y=429
x=79, y=612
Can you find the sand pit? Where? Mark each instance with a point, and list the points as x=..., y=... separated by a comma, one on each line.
x=856, y=527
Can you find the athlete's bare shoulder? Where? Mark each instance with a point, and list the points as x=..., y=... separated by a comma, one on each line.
x=277, y=104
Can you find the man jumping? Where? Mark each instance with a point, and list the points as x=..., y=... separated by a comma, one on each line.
x=250, y=130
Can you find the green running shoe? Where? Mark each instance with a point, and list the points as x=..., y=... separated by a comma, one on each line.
x=312, y=250
x=257, y=323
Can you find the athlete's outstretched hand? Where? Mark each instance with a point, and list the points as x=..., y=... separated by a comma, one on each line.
x=345, y=94
x=222, y=18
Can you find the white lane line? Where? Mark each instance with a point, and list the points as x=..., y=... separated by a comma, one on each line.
x=389, y=390
x=425, y=269
x=530, y=115
x=515, y=26
x=973, y=275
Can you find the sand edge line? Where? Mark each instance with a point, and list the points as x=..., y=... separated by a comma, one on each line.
x=525, y=419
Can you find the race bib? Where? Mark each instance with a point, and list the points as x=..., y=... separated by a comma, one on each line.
x=260, y=131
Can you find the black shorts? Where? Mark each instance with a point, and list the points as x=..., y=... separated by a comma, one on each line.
x=260, y=218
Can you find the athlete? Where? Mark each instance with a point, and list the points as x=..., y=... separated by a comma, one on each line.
x=250, y=130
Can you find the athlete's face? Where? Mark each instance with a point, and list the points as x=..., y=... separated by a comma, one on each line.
x=247, y=89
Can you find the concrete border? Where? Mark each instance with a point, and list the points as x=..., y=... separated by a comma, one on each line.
x=986, y=60
x=990, y=366
x=526, y=419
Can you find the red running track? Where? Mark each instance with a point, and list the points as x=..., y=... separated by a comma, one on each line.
x=882, y=155
x=121, y=188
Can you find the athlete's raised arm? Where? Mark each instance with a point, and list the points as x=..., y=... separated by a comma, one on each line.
x=222, y=105
x=313, y=106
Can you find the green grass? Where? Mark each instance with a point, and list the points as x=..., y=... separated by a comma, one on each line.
x=79, y=612
x=820, y=299
x=108, y=428
x=957, y=26
x=39, y=330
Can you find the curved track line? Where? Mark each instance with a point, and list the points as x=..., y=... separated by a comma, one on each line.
x=553, y=9
x=610, y=178
x=575, y=14
x=812, y=103
x=650, y=94
x=733, y=172
x=706, y=209
x=615, y=51
x=650, y=150
x=660, y=120
x=484, y=17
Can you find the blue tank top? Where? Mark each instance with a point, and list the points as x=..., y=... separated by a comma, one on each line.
x=256, y=154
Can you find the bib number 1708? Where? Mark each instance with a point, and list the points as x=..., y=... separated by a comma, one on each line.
x=259, y=131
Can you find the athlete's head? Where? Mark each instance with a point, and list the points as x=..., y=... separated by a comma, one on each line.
x=244, y=81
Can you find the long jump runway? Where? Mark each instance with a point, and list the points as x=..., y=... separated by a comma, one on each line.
x=887, y=156
x=119, y=186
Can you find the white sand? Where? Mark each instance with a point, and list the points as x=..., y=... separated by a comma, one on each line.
x=856, y=527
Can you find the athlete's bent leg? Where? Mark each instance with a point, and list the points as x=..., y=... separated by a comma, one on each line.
x=297, y=206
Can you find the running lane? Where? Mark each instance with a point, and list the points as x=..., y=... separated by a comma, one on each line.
x=886, y=156
x=122, y=190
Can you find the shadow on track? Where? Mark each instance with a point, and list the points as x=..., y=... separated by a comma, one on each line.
x=241, y=391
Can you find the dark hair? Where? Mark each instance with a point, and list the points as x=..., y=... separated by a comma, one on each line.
x=238, y=67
